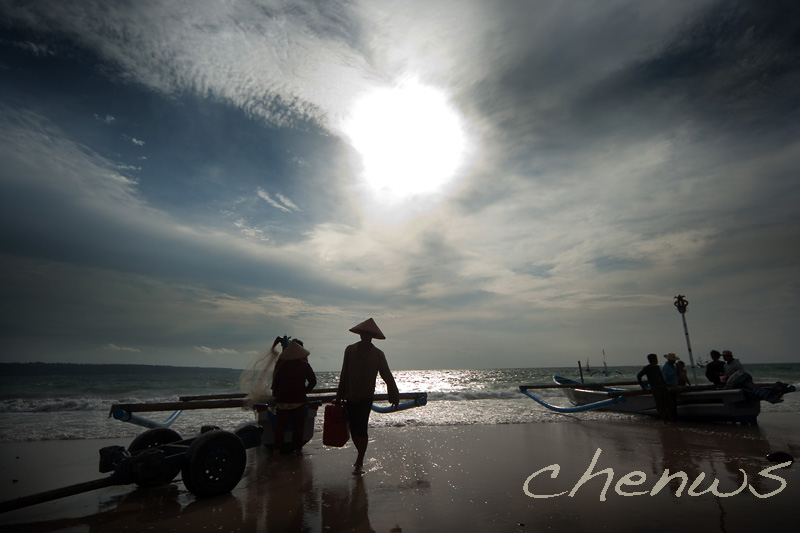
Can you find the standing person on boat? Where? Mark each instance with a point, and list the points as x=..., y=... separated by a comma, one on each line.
x=665, y=403
x=715, y=369
x=362, y=363
x=292, y=380
x=670, y=371
x=683, y=377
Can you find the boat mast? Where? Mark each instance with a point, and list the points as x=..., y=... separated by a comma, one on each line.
x=682, y=303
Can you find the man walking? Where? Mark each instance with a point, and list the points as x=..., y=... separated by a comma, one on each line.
x=362, y=363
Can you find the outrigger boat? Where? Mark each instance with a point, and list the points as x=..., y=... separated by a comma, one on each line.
x=739, y=402
x=697, y=403
x=605, y=371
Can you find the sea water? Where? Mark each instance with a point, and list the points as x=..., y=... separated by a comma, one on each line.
x=53, y=401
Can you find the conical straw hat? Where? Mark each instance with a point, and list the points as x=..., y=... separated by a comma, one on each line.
x=294, y=351
x=370, y=328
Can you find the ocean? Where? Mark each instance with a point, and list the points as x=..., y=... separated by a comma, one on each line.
x=63, y=401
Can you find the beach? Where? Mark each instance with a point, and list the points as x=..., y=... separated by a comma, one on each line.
x=444, y=478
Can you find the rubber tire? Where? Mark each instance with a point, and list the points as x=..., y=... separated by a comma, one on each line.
x=214, y=463
x=154, y=437
x=149, y=439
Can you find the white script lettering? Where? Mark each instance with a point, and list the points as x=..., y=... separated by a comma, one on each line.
x=637, y=477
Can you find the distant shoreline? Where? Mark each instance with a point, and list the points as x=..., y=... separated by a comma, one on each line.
x=43, y=369
x=38, y=368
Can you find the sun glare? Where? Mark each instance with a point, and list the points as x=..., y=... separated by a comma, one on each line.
x=410, y=139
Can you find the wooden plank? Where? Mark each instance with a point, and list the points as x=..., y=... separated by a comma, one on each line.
x=680, y=389
x=230, y=396
x=33, y=499
x=595, y=386
x=176, y=406
x=229, y=403
x=376, y=398
x=581, y=385
x=235, y=395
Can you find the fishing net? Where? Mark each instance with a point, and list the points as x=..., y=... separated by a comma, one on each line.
x=256, y=379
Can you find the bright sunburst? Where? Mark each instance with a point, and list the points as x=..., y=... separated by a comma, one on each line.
x=410, y=139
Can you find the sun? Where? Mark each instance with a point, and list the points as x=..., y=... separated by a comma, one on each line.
x=410, y=138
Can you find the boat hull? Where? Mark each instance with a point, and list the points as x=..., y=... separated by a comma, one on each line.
x=729, y=405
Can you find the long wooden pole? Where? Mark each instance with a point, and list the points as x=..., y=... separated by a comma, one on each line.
x=689, y=346
x=176, y=406
x=582, y=385
x=682, y=303
x=223, y=404
x=33, y=499
x=590, y=386
x=235, y=395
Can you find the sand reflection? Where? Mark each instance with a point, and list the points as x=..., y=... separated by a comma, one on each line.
x=283, y=495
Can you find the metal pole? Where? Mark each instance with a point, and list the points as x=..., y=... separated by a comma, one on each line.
x=682, y=303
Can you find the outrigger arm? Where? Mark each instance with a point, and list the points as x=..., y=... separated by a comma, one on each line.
x=126, y=416
x=577, y=409
x=125, y=412
x=419, y=401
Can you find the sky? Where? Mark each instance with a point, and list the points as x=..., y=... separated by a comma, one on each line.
x=498, y=184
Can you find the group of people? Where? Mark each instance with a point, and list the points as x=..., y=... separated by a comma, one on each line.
x=657, y=383
x=717, y=371
x=673, y=374
x=293, y=378
x=728, y=373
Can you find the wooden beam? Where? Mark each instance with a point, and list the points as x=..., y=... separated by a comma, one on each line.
x=229, y=403
x=176, y=406
x=235, y=395
x=33, y=499
x=581, y=385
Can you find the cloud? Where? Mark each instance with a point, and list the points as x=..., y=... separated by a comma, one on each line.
x=133, y=140
x=625, y=152
x=218, y=351
x=249, y=231
x=287, y=202
x=37, y=49
x=286, y=56
x=108, y=119
x=285, y=205
x=37, y=153
x=114, y=348
x=94, y=215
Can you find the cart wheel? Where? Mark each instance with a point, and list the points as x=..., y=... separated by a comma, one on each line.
x=154, y=437
x=214, y=463
x=163, y=473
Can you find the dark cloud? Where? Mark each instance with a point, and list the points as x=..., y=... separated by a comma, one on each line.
x=623, y=151
x=736, y=65
x=730, y=69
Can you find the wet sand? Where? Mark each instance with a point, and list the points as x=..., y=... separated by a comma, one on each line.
x=458, y=478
